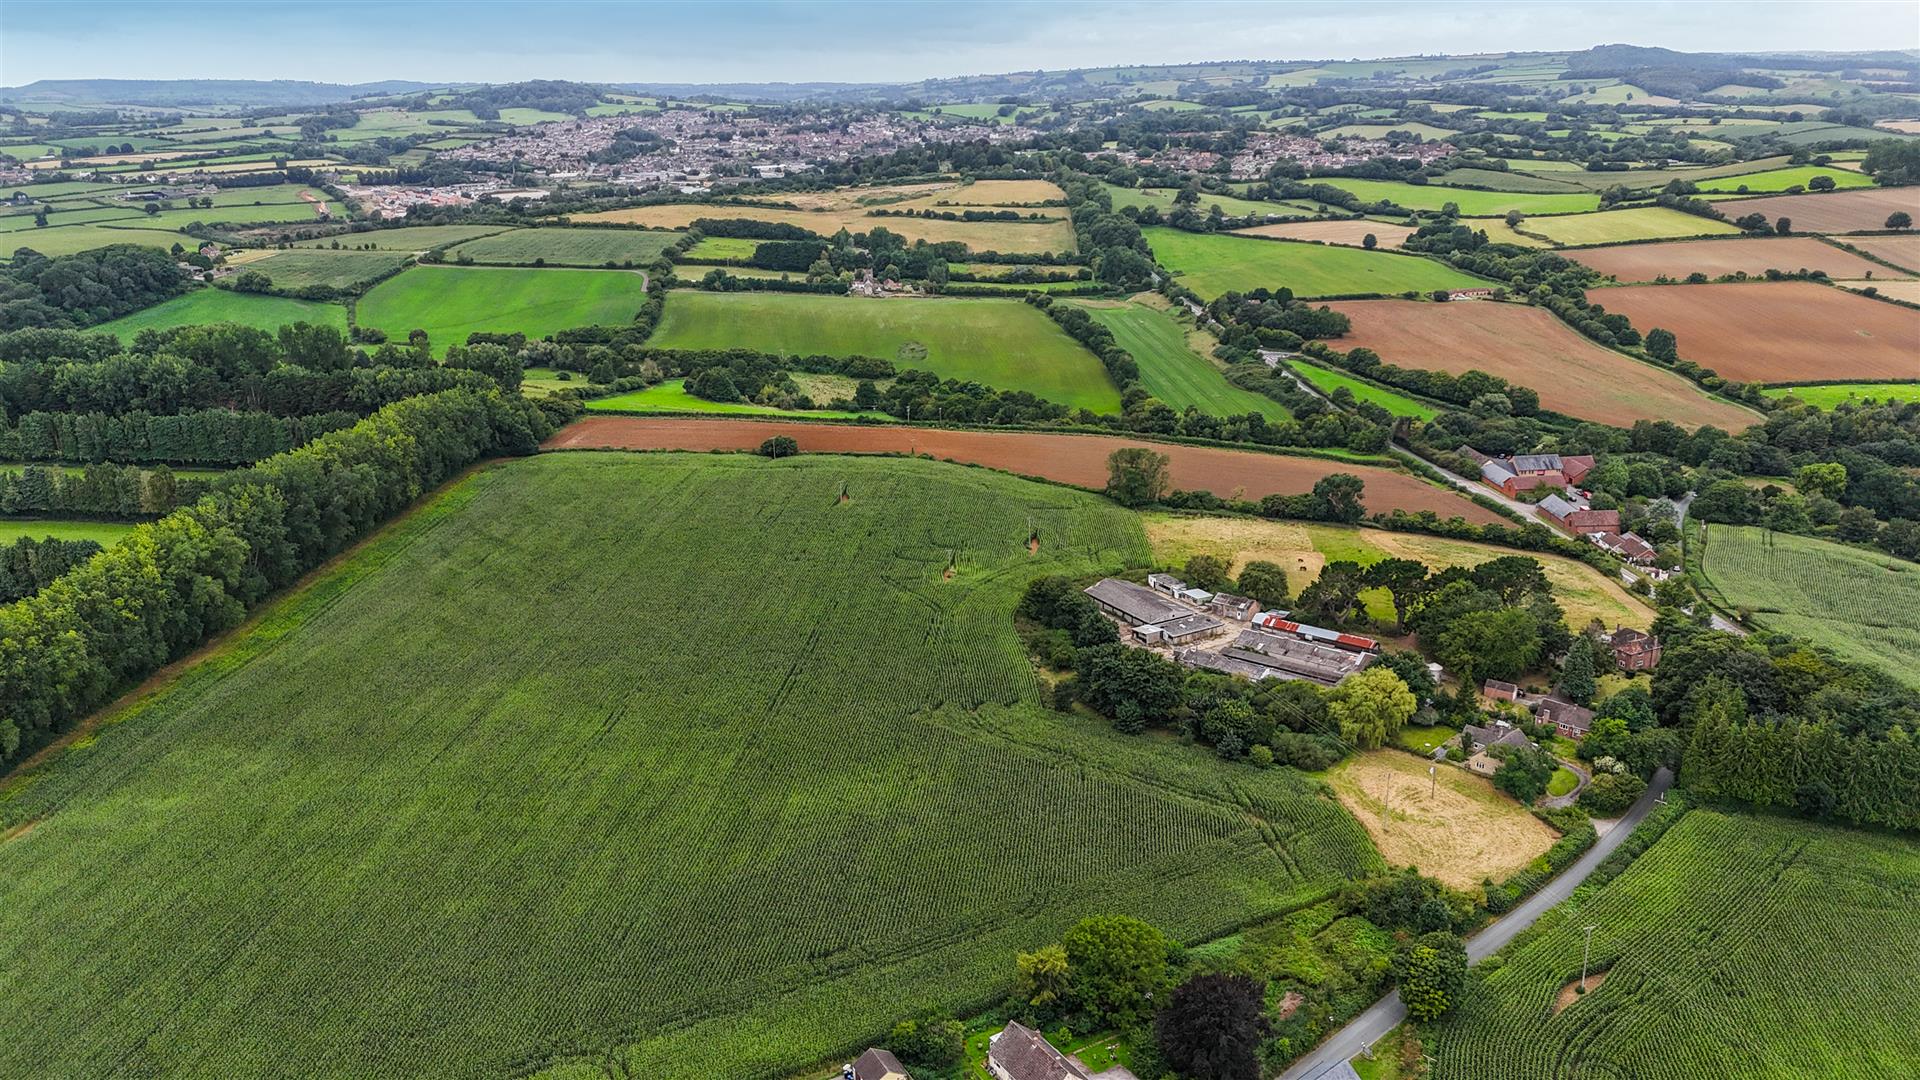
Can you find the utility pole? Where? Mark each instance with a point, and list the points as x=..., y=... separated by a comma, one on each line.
x=1585, y=956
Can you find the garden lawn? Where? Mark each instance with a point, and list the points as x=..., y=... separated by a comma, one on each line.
x=1170, y=370
x=1006, y=344
x=1212, y=264
x=450, y=302
x=555, y=778
x=224, y=305
x=672, y=396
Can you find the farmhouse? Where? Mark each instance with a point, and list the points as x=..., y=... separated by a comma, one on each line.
x=1019, y=1053
x=875, y=1064
x=1578, y=521
x=1633, y=650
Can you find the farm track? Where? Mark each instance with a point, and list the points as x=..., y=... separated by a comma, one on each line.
x=1079, y=460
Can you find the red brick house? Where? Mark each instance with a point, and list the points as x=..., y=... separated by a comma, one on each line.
x=1633, y=650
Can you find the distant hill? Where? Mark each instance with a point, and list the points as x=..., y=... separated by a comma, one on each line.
x=194, y=92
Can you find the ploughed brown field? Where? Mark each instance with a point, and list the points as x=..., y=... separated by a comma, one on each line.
x=1777, y=331
x=1346, y=233
x=1898, y=250
x=1644, y=262
x=1860, y=210
x=1080, y=460
x=1529, y=347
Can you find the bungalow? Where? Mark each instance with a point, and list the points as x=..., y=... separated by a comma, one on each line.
x=1626, y=545
x=1633, y=650
x=875, y=1064
x=1568, y=719
x=1019, y=1053
x=1476, y=739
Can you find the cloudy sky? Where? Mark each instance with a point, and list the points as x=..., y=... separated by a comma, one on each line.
x=856, y=40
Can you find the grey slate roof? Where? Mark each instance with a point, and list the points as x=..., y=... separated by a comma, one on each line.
x=1558, y=507
x=1137, y=603
x=1536, y=463
x=1024, y=1055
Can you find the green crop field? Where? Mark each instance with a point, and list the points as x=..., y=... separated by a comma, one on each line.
x=723, y=247
x=672, y=396
x=333, y=269
x=567, y=247
x=1726, y=947
x=1328, y=380
x=1173, y=372
x=1638, y=223
x=1471, y=203
x=1775, y=180
x=1006, y=344
x=100, y=532
x=222, y=305
x=1831, y=394
x=1211, y=264
x=1861, y=604
x=450, y=302
x=405, y=238
x=501, y=795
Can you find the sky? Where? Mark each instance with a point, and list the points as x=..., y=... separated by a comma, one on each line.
x=858, y=40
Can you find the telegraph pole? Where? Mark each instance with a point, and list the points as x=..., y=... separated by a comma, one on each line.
x=1585, y=956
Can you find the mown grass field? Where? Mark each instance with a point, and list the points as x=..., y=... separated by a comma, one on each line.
x=1861, y=604
x=1005, y=344
x=1637, y=223
x=672, y=396
x=1778, y=180
x=224, y=305
x=103, y=533
x=1211, y=264
x=1472, y=203
x=503, y=793
x=450, y=302
x=414, y=238
x=56, y=240
x=1327, y=380
x=334, y=269
x=723, y=247
x=1831, y=394
x=1173, y=372
x=566, y=247
x=1453, y=825
x=1726, y=946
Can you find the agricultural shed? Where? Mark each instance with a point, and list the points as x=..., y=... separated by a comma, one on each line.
x=1136, y=605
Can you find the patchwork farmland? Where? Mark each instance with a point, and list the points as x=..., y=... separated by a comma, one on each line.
x=1615, y=226
x=565, y=247
x=1528, y=346
x=220, y=305
x=1786, y=331
x=1169, y=367
x=450, y=302
x=1863, y=210
x=1003, y=236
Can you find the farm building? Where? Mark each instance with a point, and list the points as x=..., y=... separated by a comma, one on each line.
x=1524, y=472
x=1179, y=590
x=1294, y=658
x=1569, y=719
x=1135, y=605
x=1634, y=650
x=1190, y=627
x=1470, y=294
x=1277, y=622
x=1575, y=519
x=1019, y=1053
x=875, y=1064
x=1229, y=606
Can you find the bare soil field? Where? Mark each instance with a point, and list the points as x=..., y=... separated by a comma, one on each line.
x=1898, y=290
x=1453, y=825
x=1860, y=210
x=1645, y=262
x=1080, y=460
x=1777, y=331
x=1898, y=250
x=1347, y=233
x=1528, y=346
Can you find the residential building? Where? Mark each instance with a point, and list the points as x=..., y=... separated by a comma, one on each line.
x=1569, y=719
x=1500, y=691
x=875, y=1064
x=1633, y=650
x=1476, y=739
x=1578, y=520
x=1019, y=1053
x=1626, y=545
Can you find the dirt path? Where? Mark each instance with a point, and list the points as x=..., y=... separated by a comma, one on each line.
x=1080, y=460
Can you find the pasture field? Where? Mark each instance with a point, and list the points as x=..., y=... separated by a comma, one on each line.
x=1003, y=236
x=722, y=247
x=1380, y=131
x=414, y=238
x=1898, y=250
x=1327, y=380
x=1006, y=344
x=450, y=302
x=1828, y=395
x=224, y=305
x=566, y=247
x=73, y=239
x=1860, y=210
x=997, y=193
x=1454, y=826
x=1173, y=372
x=104, y=533
x=1776, y=331
x=1499, y=232
x=672, y=396
x=1753, y=256
x=1774, y=180
x=1861, y=604
x=1725, y=945
x=1504, y=180
x=1636, y=223
x=1162, y=199
x=667, y=872
x=1472, y=203
x=1526, y=345
x=246, y=214
x=1211, y=264
x=334, y=269
x=1080, y=460
x=81, y=214
x=1302, y=549
x=1348, y=233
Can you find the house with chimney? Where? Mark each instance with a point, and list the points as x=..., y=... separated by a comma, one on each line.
x=1019, y=1053
x=1634, y=650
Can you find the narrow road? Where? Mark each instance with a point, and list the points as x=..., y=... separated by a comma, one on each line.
x=1388, y=1013
x=1473, y=486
